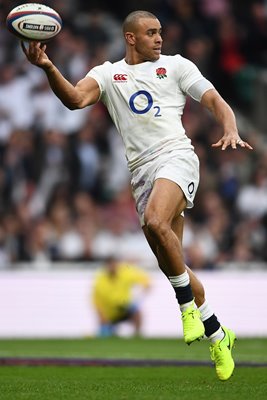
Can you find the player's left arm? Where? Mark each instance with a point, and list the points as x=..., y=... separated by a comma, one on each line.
x=224, y=114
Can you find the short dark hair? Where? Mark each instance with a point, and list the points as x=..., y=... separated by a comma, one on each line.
x=132, y=18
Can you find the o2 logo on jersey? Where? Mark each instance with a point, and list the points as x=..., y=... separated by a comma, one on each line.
x=148, y=100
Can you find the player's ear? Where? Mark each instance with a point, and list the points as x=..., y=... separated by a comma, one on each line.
x=130, y=38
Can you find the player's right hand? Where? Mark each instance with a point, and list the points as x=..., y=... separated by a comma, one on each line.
x=36, y=54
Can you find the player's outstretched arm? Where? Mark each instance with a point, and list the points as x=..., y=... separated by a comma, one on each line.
x=225, y=116
x=85, y=93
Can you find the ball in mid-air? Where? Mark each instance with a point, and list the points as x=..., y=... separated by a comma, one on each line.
x=34, y=22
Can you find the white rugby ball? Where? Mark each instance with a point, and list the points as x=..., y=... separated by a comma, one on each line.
x=33, y=21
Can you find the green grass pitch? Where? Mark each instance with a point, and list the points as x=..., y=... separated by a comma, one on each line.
x=189, y=381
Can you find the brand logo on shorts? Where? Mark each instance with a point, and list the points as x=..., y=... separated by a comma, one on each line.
x=120, y=77
x=191, y=188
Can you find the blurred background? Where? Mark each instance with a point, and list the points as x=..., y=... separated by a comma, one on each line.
x=65, y=198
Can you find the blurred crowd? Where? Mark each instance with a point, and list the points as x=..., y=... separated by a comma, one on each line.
x=64, y=183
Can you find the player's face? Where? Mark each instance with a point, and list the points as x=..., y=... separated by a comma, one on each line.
x=148, y=40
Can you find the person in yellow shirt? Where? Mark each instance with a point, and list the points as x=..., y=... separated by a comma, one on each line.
x=113, y=295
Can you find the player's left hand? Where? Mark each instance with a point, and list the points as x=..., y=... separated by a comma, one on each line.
x=233, y=142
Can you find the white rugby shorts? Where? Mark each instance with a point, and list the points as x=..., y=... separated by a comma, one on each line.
x=180, y=166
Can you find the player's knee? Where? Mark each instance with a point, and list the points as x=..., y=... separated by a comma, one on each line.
x=156, y=226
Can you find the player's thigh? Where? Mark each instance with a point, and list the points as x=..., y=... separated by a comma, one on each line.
x=165, y=202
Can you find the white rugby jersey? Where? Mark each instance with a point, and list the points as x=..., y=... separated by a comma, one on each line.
x=146, y=103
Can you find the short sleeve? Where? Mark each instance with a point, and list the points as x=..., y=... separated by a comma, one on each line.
x=99, y=73
x=188, y=74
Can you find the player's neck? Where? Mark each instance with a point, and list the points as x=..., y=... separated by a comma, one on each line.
x=133, y=58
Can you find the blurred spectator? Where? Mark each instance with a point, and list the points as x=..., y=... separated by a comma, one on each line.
x=67, y=242
x=215, y=8
x=255, y=25
x=102, y=33
x=40, y=244
x=199, y=50
x=85, y=160
x=252, y=198
x=52, y=168
x=18, y=168
x=15, y=101
x=230, y=54
x=86, y=217
x=116, y=174
x=54, y=116
x=118, y=291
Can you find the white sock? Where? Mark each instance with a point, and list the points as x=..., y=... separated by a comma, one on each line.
x=182, y=281
x=205, y=311
x=185, y=306
x=218, y=335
